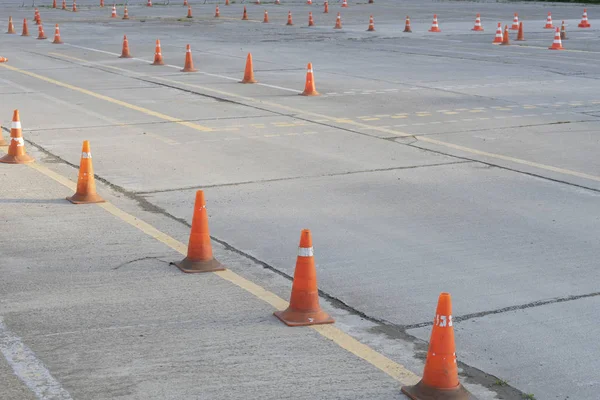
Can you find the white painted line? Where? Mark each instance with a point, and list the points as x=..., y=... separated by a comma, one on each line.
x=28, y=368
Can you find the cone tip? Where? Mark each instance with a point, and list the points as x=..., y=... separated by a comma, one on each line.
x=86, y=146
x=200, y=198
x=305, y=238
x=16, y=116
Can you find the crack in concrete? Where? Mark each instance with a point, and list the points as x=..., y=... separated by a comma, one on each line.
x=141, y=259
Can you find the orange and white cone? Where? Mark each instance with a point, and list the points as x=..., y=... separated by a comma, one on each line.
x=498, y=38
x=189, y=63
x=245, y=15
x=289, y=20
x=563, y=32
x=125, y=53
x=505, y=37
x=158, y=58
x=277, y=2
x=74, y=8
x=478, y=27
x=16, y=149
x=371, y=27
x=41, y=34
x=407, y=28
x=185, y=3
x=189, y=12
x=344, y=3
x=520, y=35
x=11, y=27
x=440, y=376
x=64, y=4
x=304, y=308
x=101, y=3
x=125, y=13
x=217, y=12
x=309, y=87
x=311, y=21
x=57, y=35
x=114, y=12
x=515, y=24
x=309, y=2
x=266, y=18
x=549, y=24
x=338, y=22
x=257, y=2
x=557, y=44
x=36, y=16
x=199, y=255
x=149, y=3
x=25, y=29
x=434, y=25
x=86, y=184
x=326, y=7
x=249, y=71
x=3, y=60
x=53, y=3
x=226, y=2
x=584, y=20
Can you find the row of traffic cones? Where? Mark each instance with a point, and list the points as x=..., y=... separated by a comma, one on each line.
x=440, y=375
x=504, y=40
x=41, y=34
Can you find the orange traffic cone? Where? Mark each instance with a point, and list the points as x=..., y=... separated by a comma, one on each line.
x=407, y=25
x=149, y=3
x=53, y=3
x=434, y=25
x=257, y=2
x=289, y=21
x=16, y=150
x=557, y=44
x=344, y=3
x=189, y=13
x=86, y=185
x=185, y=3
x=114, y=12
x=478, y=27
x=549, y=24
x=371, y=27
x=101, y=3
x=326, y=5
x=217, y=12
x=3, y=60
x=57, y=35
x=338, y=22
x=11, y=27
x=309, y=2
x=505, y=38
x=64, y=4
x=311, y=21
x=277, y=2
x=25, y=29
x=309, y=88
x=125, y=52
x=125, y=13
x=249, y=72
x=41, y=34
x=304, y=308
x=515, y=24
x=584, y=20
x=498, y=38
x=563, y=32
x=199, y=257
x=226, y=2
x=189, y=63
x=266, y=18
x=158, y=59
x=74, y=9
x=440, y=376
x=520, y=35
x=36, y=16
x=245, y=15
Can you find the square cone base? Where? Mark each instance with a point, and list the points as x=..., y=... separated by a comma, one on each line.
x=301, y=318
x=23, y=159
x=420, y=391
x=86, y=199
x=195, y=267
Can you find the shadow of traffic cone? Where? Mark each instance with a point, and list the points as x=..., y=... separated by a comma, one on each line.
x=520, y=35
x=304, y=308
x=125, y=13
x=515, y=24
x=440, y=376
x=498, y=38
x=557, y=44
x=16, y=149
x=478, y=27
x=266, y=18
x=311, y=21
x=199, y=256
x=505, y=38
x=25, y=29
x=189, y=63
x=309, y=87
x=434, y=25
x=245, y=15
x=326, y=7
x=289, y=20
x=41, y=34
x=584, y=20
x=338, y=22
x=57, y=35
x=407, y=25
x=189, y=12
x=11, y=27
x=371, y=27
x=125, y=53
x=563, y=32
x=158, y=59
x=217, y=12
x=249, y=72
x=549, y=24
x=86, y=185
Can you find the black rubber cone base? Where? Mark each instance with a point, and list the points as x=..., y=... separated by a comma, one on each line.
x=194, y=267
x=420, y=391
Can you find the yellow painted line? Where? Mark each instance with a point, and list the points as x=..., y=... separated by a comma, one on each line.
x=476, y=111
x=423, y=115
x=370, y=119
x=450, y=113
x=365, y=126
x=399, y=116
x=163, y=139
x=331, y=332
